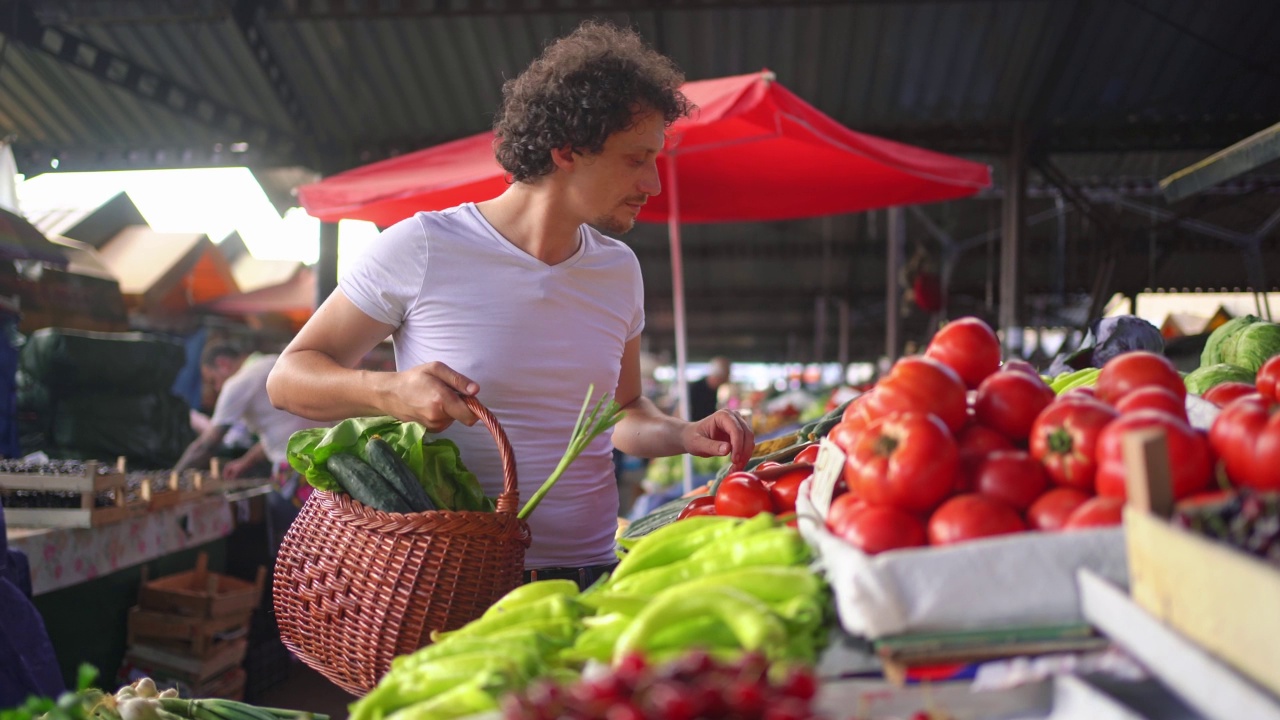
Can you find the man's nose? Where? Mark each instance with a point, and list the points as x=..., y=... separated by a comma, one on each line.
x=651, y=183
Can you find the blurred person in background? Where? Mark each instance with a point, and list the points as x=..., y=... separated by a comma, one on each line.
x=704, y=392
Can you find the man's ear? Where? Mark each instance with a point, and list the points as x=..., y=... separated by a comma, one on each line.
x=564, y=157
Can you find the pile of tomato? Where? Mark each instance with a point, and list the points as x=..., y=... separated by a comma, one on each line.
x=953, y=445
x=771, y=487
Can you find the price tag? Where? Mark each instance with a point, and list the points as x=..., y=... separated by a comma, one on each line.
x=827, y=470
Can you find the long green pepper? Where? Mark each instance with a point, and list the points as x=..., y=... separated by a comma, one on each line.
x=752, y=623
x=674, y=542
x=782, y=546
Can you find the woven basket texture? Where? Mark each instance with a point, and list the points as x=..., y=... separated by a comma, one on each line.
x=355, y=587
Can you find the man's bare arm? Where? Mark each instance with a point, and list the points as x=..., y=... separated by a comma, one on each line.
x=316, y=378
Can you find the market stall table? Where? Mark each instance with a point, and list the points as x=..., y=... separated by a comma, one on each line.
x=62, y=557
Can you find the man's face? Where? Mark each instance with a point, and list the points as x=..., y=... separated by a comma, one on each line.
x=614, y=184
x=216, y=375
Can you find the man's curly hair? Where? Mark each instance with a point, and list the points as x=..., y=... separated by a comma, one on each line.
x=584, y=87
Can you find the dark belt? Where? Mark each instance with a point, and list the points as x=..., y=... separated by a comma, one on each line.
x=584, y=576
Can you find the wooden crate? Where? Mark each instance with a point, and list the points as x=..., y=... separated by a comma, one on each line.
x=176, y=488
x=1225, y=600
x=89, y=485
x=200, y=593
x=196, y=637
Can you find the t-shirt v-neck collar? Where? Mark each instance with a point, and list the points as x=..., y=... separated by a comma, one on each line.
x=526, y=257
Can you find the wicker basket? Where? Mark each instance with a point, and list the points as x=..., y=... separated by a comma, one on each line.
x=355, y=587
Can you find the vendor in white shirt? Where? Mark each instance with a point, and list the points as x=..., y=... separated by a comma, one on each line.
x=240, y=382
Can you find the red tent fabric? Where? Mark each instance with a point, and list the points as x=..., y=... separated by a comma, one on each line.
x=752, y=151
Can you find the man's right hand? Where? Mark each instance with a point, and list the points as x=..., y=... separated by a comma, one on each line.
x=430, y=394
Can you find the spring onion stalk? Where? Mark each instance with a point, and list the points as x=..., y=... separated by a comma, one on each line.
x=604, y=415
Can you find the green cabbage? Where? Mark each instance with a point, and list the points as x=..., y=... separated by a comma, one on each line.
x=1216, y=347
x=1256, y=344
x=1199, y=381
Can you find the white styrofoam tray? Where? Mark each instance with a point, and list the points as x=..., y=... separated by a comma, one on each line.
x=1022, y=580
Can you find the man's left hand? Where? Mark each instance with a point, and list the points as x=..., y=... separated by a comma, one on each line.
x=721, y=433
x=234, y=468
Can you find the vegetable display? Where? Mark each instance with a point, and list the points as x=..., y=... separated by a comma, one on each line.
x=141, y=700
x=730, y=587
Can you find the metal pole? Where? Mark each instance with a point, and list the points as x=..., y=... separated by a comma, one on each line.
x=842, y=309
x=1011, y=239
x=327, y=263
x=677, y=299
x=892, y=294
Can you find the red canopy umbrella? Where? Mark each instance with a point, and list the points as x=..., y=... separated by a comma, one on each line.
x=752, y=151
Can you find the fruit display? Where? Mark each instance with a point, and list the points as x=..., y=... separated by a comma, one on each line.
x=696, y=685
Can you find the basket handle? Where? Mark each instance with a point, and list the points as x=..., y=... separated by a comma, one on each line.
x=509, y=500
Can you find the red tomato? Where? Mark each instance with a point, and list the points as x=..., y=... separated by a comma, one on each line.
x=1246, y=435
x=741, y=494
x=808, y=454
x=843, y=509
x=1268, y=379
x=874, y=529
x=1096, y=512
x=1223, y=393
x=845, y=434
x=908, y=461
x=1129, y=371
x=786, y=487
x=975, y=443
x=852, y=410
x=1190, y=459
x=1064, y=439
x=967, y=517
x=1023, y=366
x=1082, y=391
x=1012, y=476
x=1153, y=397
x=920, y=385
x=767, y=464
x=1010, y=401
x=705, y=505
x=969, y=347
x=1051, y=510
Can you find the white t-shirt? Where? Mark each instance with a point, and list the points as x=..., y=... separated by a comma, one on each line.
x=533, y=336
x=244, y=397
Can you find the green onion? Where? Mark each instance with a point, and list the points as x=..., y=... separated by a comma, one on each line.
x=603, y=416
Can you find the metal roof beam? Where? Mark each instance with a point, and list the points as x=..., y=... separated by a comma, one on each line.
x=363, y=9
x=33, y=160
x=248, y=15
x=18, y=22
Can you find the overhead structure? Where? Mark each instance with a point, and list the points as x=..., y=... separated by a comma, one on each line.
x=1253, y=152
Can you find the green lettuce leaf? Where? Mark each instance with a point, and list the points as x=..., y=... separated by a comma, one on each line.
x=309, y=449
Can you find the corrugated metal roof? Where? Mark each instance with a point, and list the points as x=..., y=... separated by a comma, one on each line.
x=1146, y=87
x=370, y=80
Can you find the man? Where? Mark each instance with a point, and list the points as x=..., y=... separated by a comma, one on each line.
x=703, y=391
x=240, y=384
x=522, y=301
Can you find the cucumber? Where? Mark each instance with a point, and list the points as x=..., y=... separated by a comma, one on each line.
x=364, y=483
x=388, y=463
x=664, y=514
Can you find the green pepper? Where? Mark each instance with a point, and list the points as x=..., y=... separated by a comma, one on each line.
x=461, y=701
x=597, y=640
x=430, y=680
x=776, y=586
x=549, y=607
x=706, y=631
x=674, y=542
x=608, y=602
x=532, y=592
x=751, y=621
x=780, y=546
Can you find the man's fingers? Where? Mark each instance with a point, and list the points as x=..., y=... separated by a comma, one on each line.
x=454, y=379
